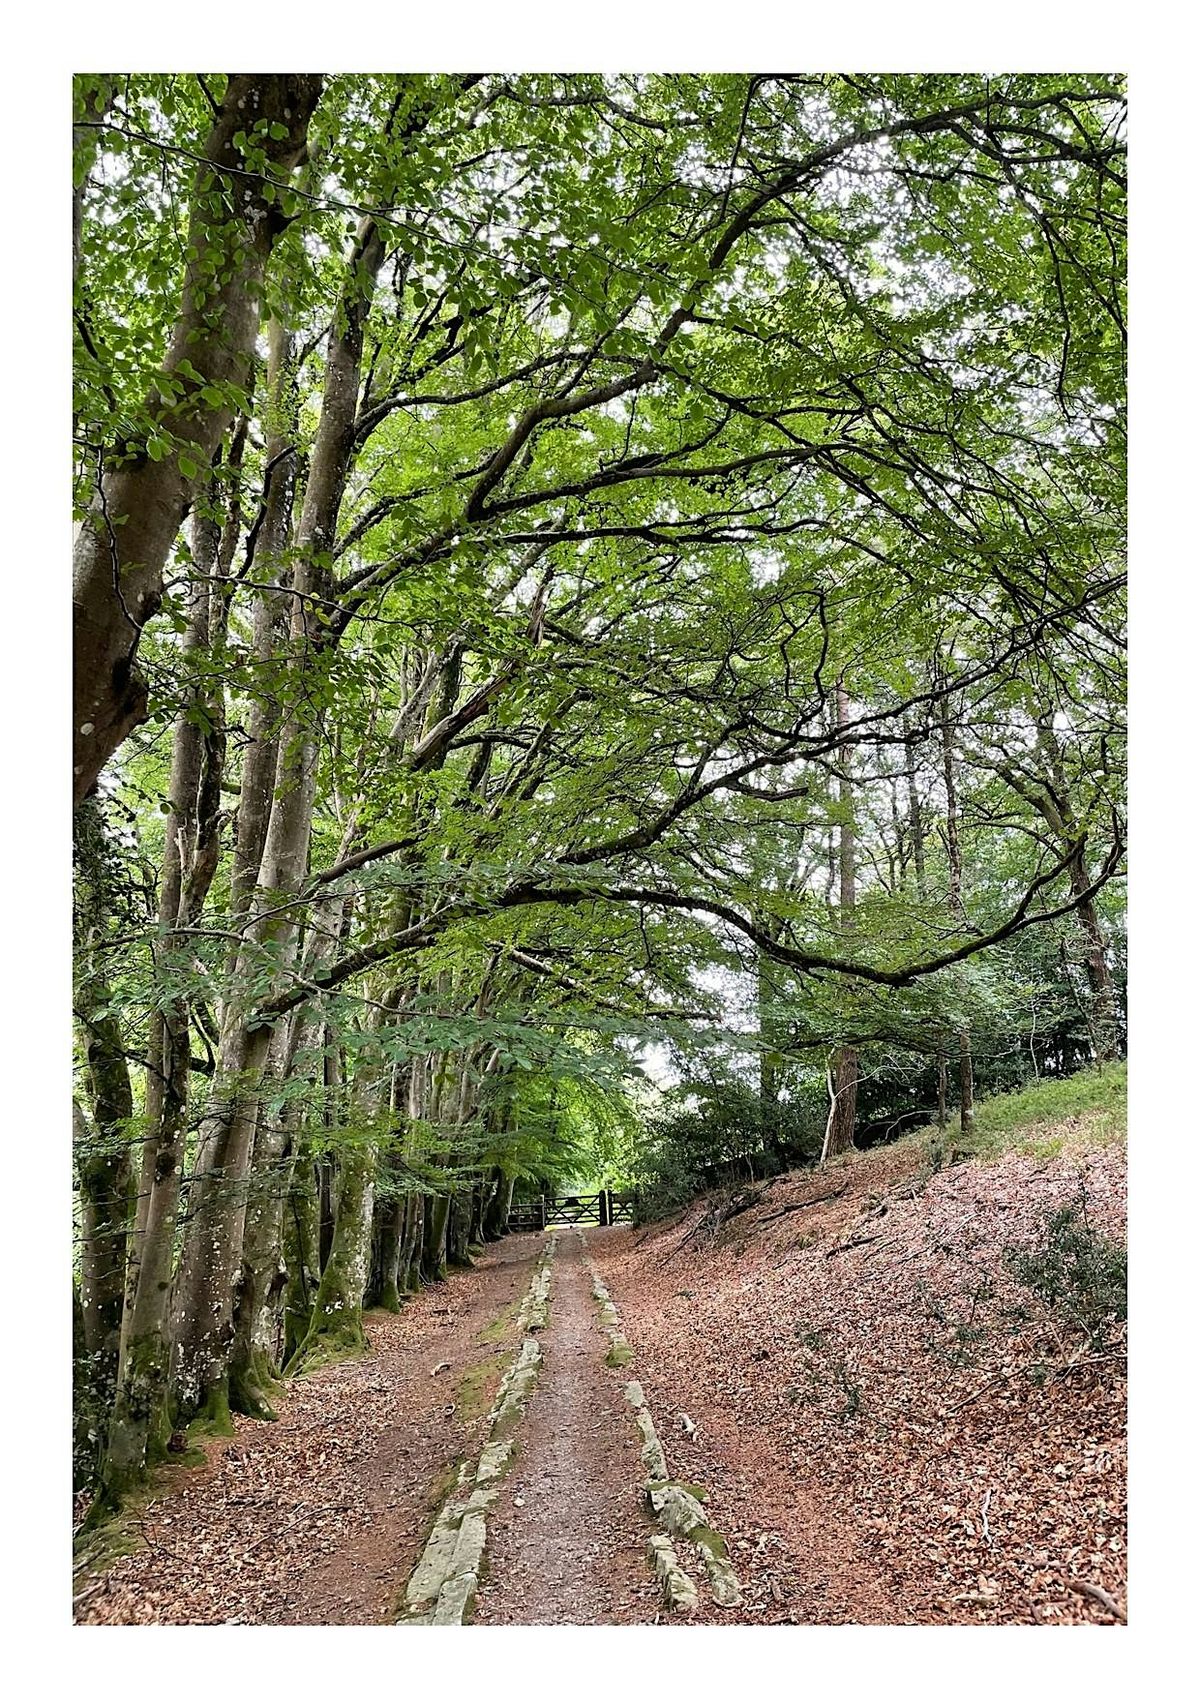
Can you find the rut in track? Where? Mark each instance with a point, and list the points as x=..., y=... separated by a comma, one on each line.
x=567, y=1538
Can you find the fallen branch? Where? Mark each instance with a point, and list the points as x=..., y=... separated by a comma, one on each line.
x=809, y=1202
x=1097, y=1595
x=854, y=1243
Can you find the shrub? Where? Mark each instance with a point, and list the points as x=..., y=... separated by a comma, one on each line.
x=1076, y=1273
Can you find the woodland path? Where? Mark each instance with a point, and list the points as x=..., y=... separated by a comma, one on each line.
x=567, y=1538
x=321, y=1517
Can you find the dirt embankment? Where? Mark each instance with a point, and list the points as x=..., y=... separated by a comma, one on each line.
x=891, y=1427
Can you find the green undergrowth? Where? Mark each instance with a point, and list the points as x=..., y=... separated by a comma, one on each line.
x=1058, y=1116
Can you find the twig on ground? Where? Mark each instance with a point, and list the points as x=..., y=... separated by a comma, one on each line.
x=1097, y=1595
x=854, y=1243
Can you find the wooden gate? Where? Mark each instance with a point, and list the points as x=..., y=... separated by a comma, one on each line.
x=598, y=1208
x=577, y=1210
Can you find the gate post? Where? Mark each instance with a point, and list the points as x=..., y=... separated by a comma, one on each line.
x=605, y=1210
x=542, y=1211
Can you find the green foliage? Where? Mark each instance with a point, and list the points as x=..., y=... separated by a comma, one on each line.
x=694, y=1140
x=1077, y=1274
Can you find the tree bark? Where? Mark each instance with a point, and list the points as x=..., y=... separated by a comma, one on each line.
x=146, y=490
x=843, y=1103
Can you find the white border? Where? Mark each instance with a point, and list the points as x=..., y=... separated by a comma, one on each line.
x=35, y=838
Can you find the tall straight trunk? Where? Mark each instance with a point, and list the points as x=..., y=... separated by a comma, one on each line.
x=495, y=1214
x=271, y=620
x=336, y=1327
x=391, y=1211
x=124, y=543
x=767, y=989
x=433, y=1247
x=103, y=1170
x=257, y=1353
x=387, y=1291
x=1103, y=1009
x=412, y=1246
x=843, y=1094
x=458, y=1229
x=301, y=1240
x=139, y=1420
x=101, y=1142
x=916, y=823
x=943, y=1086
x=966, y=1083
x=1054, y=802
x=139, y=1427
x=966, y=1072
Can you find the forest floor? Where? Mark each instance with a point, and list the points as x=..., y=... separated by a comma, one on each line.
x=863, y=1372
x=886, y=1430
x=319, y=1517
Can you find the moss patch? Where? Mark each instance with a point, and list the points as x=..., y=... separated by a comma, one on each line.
x=476, y=1389
x=497, y=1330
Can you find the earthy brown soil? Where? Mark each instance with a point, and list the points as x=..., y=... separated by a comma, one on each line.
x=857, y=1360
x=567, y=1538
x=319, y=1517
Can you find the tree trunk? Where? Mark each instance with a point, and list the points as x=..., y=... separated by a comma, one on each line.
x=302, y=1253
x=458, y=1230
x=843, y=1096
x=390, y=1217
x=123, y=544
x=256, y=1357
x=271, y=621
x=966, y=1071
x=336, y=1327
x=412, y=1248
x=495, y=1213
x=966, y=1084
x=433, y=1246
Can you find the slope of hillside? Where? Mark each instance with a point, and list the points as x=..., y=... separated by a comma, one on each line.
x=906, y=1371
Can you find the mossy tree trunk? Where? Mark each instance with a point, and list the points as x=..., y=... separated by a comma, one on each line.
x=336, y=1325
x=301, y=1239
x=256, y=1357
